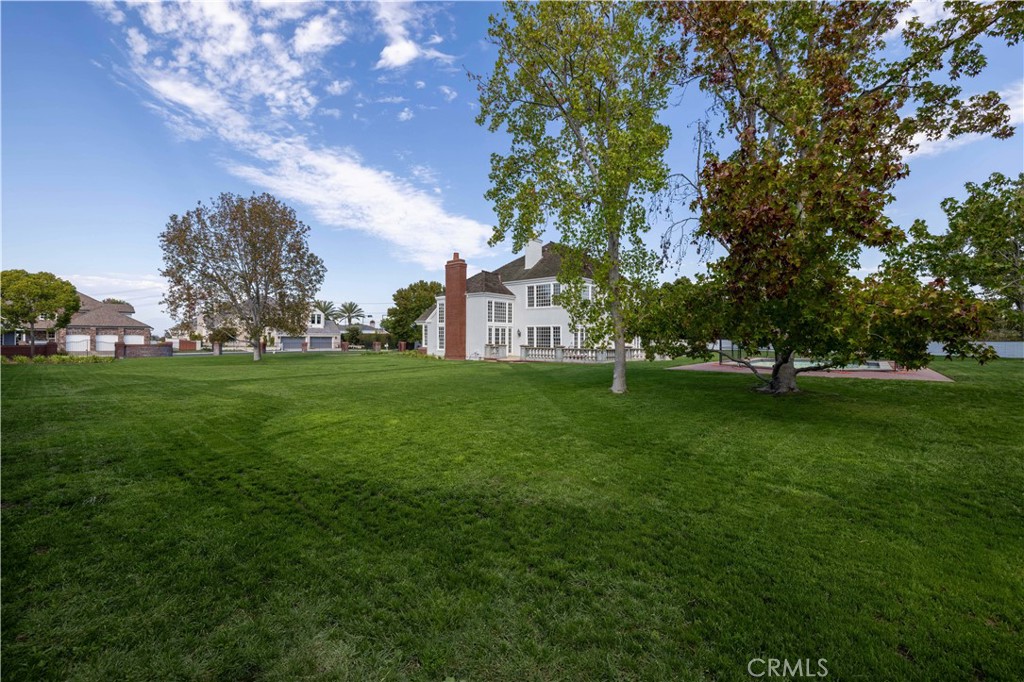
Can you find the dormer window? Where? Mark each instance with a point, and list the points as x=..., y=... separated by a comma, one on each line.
x=316, y=319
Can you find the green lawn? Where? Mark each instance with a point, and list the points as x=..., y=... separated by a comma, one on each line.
x=380, y=517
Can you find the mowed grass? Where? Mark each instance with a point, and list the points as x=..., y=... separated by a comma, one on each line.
x=386, y=518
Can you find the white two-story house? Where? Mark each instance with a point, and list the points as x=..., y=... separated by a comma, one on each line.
x=512, y=311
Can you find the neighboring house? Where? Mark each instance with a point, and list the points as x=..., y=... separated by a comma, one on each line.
x=321, y=334
x=95, y=328
x=511, y=311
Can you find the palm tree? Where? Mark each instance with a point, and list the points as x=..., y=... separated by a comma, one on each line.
x=328, y=309
x=349, y=311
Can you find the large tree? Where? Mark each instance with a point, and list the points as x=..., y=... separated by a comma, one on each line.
x=983, y=247
x=576, y=86
x=410, y=302
x=819, y=107
x=30, y=296
x=242, y=260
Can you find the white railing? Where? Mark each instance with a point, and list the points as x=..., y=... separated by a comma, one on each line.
x=560, y=354
x=495, y=351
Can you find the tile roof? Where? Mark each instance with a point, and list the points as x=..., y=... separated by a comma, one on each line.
x=95, y=313
x=485, y=282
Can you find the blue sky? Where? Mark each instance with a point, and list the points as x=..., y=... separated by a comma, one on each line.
x=360, y=116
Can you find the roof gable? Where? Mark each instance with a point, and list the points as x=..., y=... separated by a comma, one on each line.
x=485, y=282
x=549, y=266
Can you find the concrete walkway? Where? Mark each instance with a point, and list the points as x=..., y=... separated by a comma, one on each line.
x=892, y=375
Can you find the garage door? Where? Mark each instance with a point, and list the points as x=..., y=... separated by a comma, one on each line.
x=134, y=339
x=321, y=343
x=106, y=342
x=77, y=343
x=292, y=342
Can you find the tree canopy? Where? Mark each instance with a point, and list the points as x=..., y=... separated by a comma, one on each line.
x=29, y=296
x=244, y=261
x=578, y=88
x=817, y=117
x=983, y=247
x=350, y=311
x=410, y=302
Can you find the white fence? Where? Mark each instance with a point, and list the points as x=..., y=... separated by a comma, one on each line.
x=1005, y=349
x=540, y=354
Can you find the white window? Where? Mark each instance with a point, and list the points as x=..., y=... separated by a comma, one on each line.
x=579, y=338
x=316, y=319
x=542, y=295
x=499, y=311
x=500, y=336
x=440, y=337
x=544, y=337
x=440, y=313
x=588, y=292
x=426, y=335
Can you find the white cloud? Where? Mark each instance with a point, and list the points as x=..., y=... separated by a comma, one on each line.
x=240, y=74
x=424, y=174
x=339, y=87
x=420, y=85
x=448, y=93
x=320, y=33
x=435, y=40
x=137, y=43
x=928, y=11
x=394, y=99
x=1013, y=95
x=110, y=11
x=394, y=19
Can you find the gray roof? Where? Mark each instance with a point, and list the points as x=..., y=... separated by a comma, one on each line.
x=95, y=313
x=485, y=282
x=549, y=265
x=330, y=328
x=426, y=314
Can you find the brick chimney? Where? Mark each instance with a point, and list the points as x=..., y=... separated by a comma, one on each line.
x=455, y=309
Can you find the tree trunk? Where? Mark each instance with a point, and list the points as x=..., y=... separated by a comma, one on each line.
x=32, y=340
x=618, y=325
x=783, y=376
x=256, y=354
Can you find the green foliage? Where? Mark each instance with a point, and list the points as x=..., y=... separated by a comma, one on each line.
x=242, y=262
x=818, y=116
x=222, y=334
x=353, y=334
x=410, y=302
x=578, y=89
x=27, y=297
x=116, y=301
x=983, y=248
x=58, y=360
x=350, y=311
x=30, y=296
